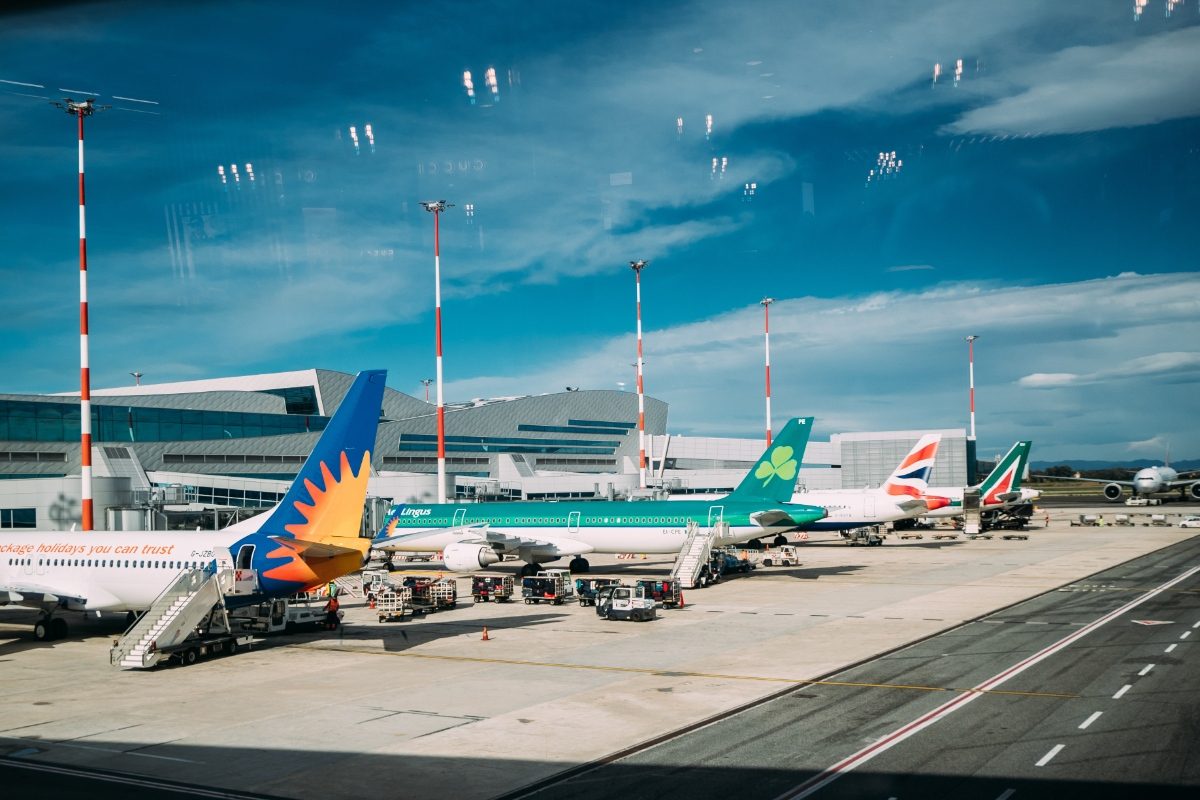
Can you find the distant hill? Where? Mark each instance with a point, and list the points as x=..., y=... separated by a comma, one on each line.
x=1083, y=464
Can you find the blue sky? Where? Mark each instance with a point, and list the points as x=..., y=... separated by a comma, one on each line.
x=1047, y=202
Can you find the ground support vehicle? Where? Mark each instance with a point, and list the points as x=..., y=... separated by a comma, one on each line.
x=625, y=602
x=1015, y=536
x=664, y=590
x=567, y=578
x=393, y=604
x=787, y=555
x=586, y=589
x=729, y=561
x=1190, y=522
x=544, y=588
x=429, y=594
x=496, y=588
x=282, y=614
x=869, y=537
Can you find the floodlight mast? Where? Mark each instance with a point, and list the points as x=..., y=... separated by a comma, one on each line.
x=972, y=469
x=766, y=304
x=79, y=110
x=436, y=207
x=637, y=267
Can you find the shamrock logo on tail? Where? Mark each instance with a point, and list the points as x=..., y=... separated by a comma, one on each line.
x=781, y=465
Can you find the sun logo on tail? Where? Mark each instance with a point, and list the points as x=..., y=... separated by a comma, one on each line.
x=781, y=466
x=336, y=509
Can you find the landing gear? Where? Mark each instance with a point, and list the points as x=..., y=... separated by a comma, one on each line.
x=50, y=628
x=530, y=569
x=579, y=564
x=754, y=544
x=780, y=540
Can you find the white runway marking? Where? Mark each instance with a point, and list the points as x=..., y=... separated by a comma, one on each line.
x=865, y=754
x=1007, y=793
x=1196, y=625
x=1053, y=752
x=1090, y=720
x=1145, y=670
x=1170, y=647
x=1185, y=634
x=1122, y=691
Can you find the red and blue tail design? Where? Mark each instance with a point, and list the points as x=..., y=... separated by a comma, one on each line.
x=911, y=478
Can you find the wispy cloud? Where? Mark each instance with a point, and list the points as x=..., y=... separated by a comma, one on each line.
x=912, y=268
x=1172, y=365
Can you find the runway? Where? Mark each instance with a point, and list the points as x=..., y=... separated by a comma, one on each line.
x=1113, y=710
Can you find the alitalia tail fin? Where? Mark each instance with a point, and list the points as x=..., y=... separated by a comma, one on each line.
x=911, y=476
x=1005, y=477
x=774, y=476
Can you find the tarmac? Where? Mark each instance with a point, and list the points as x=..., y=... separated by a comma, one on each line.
x=428, y=706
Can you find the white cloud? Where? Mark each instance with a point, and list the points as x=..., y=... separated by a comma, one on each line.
x=1129, y=83
x=897, y=360
x=1156, y=364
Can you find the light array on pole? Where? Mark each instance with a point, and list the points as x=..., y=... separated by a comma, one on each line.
x=766, y=304
x=637, y=267
x=436, y=207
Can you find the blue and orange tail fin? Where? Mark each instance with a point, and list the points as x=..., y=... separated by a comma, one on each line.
x=911, y=477
x=774, y=476
x=325, y=502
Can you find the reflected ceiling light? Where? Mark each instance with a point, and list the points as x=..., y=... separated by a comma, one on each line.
x=489, y=78
x=469, y=85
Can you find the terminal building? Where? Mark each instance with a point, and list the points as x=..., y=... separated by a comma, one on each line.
x=206, y=453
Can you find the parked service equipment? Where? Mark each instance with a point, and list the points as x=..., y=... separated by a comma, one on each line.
x=787, y=556
x=394, y=604
x=496, y=588
x=625, y=602
x=543, y=587
x=730, y=561
x=429, y=595
x=280, y=614
x=662, y=590
x=587, y=588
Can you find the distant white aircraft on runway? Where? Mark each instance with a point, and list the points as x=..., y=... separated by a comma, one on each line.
x=1146, y=481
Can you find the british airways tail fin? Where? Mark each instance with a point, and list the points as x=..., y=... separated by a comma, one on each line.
x=774, y=476
x=911, y=477
x=324, y=504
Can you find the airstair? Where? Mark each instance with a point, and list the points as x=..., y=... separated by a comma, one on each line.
x=696, y=551
x=193, y=604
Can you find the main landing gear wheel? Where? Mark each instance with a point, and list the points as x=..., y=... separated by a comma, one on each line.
x=579, y=564
x=780, y=540
x=530, y=569
x=42, y=632
x=58, y=628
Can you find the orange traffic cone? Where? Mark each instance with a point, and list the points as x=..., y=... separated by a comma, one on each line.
x=485, y=636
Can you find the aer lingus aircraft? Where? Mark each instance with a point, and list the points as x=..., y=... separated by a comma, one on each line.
x=475, y=535
x=310, y=538
x=1001, y=488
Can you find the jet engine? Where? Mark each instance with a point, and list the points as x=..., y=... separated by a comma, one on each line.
x=1113, y=491
x=465, y=557
x=1195, y=490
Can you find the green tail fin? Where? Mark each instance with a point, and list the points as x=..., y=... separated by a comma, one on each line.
x=1006, y=476
x=774, y=476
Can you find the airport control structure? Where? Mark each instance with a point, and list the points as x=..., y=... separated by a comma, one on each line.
x=206, y=453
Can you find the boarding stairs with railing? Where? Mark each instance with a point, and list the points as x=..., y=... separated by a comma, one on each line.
x=695, y=553
x=194, y=600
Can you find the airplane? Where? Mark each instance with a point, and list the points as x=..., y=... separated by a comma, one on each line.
x=310, y=538
x=900, y=497
x=475, y=535
x=1000, y=489
x=1148, y=480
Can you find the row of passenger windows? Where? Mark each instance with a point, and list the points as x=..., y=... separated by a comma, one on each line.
x=121, y=563
x=427, y=521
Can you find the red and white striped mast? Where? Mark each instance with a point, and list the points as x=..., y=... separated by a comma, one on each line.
x=971, y=446
x=637, y=267
x=766, y=304
x=436, y=207
x=79, y=110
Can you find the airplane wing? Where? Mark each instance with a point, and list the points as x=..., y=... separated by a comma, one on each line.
x=1087, y=480
x=480, y=534
x=36, y=596
x=774, y=518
